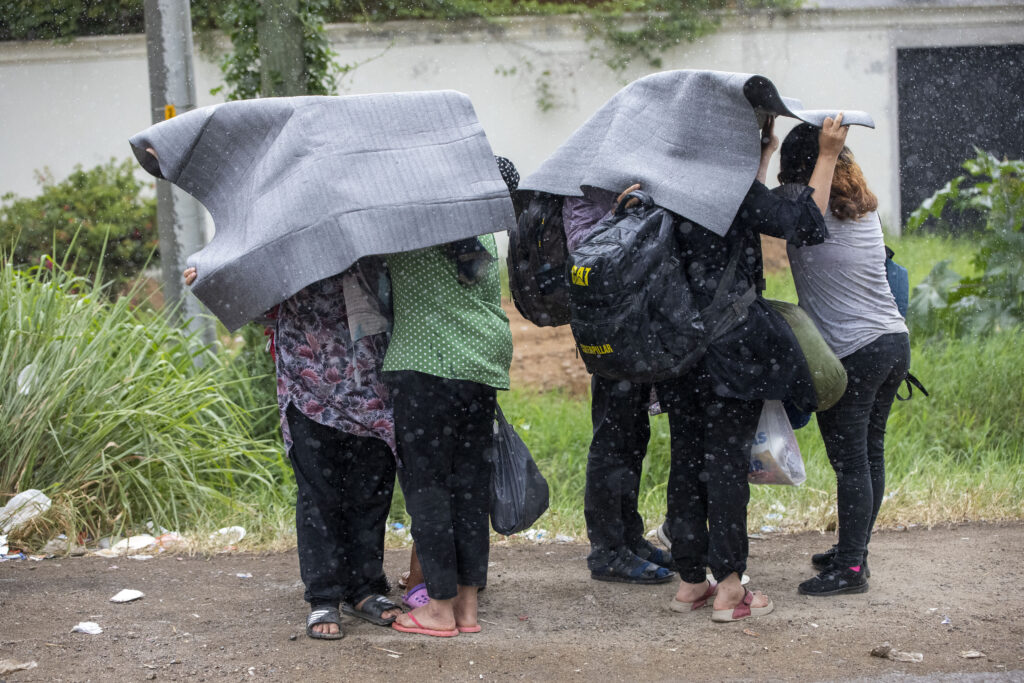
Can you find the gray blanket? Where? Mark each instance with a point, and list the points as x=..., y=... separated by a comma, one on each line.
x=690, y=138
x=301, y=187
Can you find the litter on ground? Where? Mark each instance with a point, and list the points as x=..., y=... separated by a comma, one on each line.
x=127, y=595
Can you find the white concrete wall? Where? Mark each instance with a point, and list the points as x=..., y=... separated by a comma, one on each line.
x=62, y=105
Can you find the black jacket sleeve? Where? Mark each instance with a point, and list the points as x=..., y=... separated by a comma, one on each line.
x=798, y=221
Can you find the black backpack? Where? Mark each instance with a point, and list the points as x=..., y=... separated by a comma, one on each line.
x=633, y=313
x=537, y=255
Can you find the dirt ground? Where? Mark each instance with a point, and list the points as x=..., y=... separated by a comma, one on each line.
x=938, y=592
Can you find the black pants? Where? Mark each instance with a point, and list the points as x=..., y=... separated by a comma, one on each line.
x=854, y=434
x=345, y=484
x=622, y=429
x=707, y=482
x=445, y=434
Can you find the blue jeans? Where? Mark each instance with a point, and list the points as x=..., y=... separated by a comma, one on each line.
x=854, y=434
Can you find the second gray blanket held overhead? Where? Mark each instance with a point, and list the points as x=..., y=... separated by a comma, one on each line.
x=690, y=138
x=300, y=188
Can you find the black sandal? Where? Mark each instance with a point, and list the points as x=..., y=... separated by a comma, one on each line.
x=324, y=614
x=372, y=609
x=628, y=568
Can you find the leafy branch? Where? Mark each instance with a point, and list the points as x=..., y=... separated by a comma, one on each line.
x=994, y=299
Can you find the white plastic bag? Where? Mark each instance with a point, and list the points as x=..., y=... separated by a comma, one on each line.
x=774, y=455
x=23, y=507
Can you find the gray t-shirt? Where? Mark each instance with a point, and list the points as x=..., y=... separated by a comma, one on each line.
x=842, y=285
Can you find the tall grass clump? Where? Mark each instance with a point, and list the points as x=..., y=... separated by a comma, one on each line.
x=106, y=410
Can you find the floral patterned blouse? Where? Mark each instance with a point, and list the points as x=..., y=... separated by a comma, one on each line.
x=330, y=379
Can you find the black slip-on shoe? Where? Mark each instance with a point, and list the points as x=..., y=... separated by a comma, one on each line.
x=823, y=561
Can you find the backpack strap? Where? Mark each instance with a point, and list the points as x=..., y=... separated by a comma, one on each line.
x=721, y=315
x=911, y=382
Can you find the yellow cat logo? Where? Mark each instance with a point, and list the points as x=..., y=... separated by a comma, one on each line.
x=580, y=276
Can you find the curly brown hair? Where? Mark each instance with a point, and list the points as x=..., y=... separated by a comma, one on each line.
x=850, y=197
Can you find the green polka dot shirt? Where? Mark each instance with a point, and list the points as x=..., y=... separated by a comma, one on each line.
x=444, y=328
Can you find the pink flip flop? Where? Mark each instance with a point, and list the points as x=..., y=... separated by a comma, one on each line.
x=742, y=610
x=468, y=629
x=702, y=601
x=422, y=630
x=416, y=596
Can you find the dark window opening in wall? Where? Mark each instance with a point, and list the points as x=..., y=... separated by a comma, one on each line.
x=952, y=100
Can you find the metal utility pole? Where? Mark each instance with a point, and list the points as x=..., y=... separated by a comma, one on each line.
x=172, y=91
x=282, y=62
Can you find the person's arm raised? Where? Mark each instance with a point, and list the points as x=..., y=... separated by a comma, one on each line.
x=769, y=143
x=830, y=144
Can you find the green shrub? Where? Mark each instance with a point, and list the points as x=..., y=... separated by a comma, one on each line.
x=242, y=67
x=33, y=20
x=90, y=215
x=61, y=19
x=993, y=299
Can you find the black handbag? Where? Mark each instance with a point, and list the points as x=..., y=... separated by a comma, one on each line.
x=519, y=492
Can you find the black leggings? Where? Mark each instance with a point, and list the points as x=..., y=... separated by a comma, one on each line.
x=345, y=484
x=445, y=434
x=854, y=434
x=621, y=432
x=707, y=483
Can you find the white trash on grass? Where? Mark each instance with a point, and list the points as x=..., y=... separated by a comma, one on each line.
x=170, y=540
x=229, y=535
x=60, y=545
x=133, y=545
x=23, y=507
x=27, y=380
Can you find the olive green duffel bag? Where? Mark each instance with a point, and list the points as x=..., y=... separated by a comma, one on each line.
x=827, y=371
